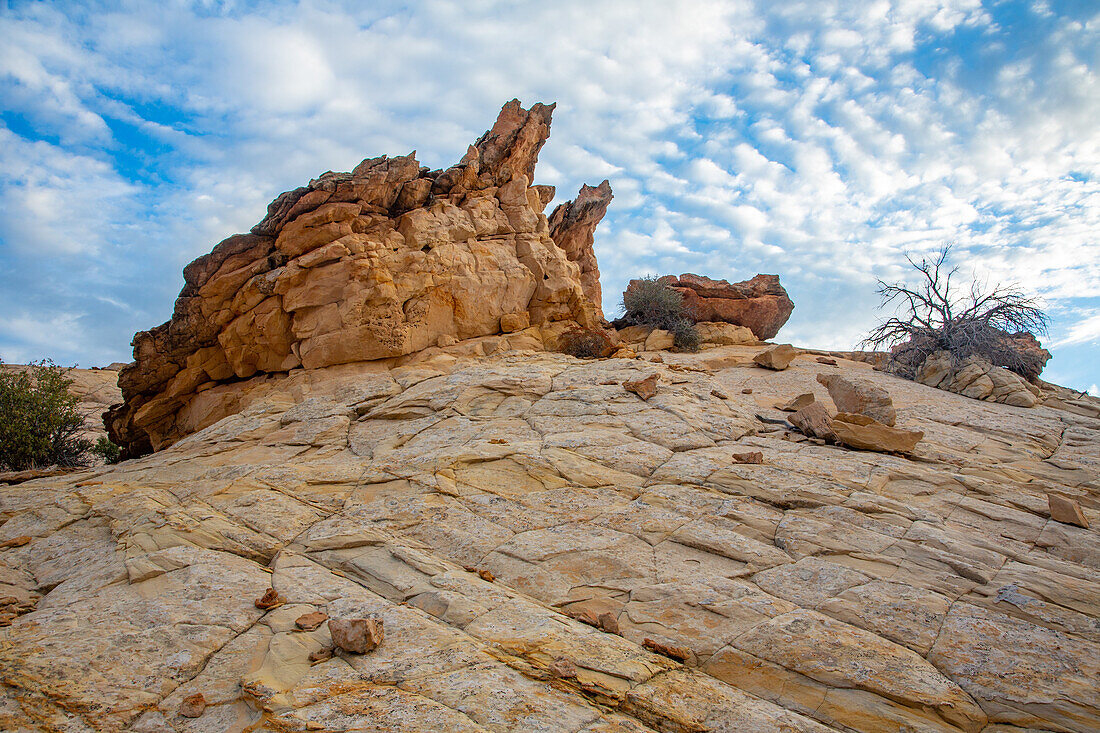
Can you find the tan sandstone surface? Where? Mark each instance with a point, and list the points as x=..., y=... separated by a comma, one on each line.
x=480, y=500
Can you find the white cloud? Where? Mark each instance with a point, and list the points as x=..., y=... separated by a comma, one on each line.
x=819, y=140
x=1084, y=331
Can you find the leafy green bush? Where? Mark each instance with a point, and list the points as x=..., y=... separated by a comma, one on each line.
x=39, y=423
x=586, y=343
x=108, y=451
x=650, y=302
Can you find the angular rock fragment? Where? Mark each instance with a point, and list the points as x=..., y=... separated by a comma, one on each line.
x=356, y=635
x=750, y=457
x=825, y=360
x=798, y=402
x=270, y=599
x=814, y=420
x=866, y=433
x=310, y=621
x=644, y=388
x=860, y=396
x=777, y=358
x=1066, y=511
x=679, y=653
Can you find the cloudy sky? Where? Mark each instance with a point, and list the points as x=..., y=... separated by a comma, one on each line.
x=819, y=140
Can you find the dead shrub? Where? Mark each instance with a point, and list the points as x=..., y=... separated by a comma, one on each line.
x=586, y=343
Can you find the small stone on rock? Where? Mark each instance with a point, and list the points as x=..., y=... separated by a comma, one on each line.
x=798, y=402
x=270, y=599
x=193, y=705
x=563, y=668
x=644, y=388
x=826, y=360
x=356, y=635
x=1066, y=511
x=747, y=390
x=310, y=621
x=776, y=358
x=750, y=457
x=320, y=655
x=678, y=653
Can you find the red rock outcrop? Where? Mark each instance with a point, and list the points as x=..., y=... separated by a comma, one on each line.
x=573, y=226
x=760, y=304
x=379, y=262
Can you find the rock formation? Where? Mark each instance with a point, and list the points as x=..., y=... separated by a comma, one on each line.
x=976, y=377
x=548, y=552
x=572, y=227
x=383, y=261
x=760, y=304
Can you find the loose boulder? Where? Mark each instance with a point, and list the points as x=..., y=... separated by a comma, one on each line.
x=760, y=304
x=861, y=396
x=814, y=420
x=716, y=333
x=356, y=635
x=866, y=433
x=1066, y=511
x=798, y=402
x=644, y=388
x=777, y=358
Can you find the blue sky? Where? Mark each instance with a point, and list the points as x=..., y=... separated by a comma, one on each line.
x=820, y=140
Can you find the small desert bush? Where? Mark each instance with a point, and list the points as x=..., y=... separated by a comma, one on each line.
x=585, y=343
x=39, y=422
x=108, y=451
x=650, y=302
x=998, y=323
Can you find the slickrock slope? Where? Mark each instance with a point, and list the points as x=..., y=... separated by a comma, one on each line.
x=380, y=262
x=822, y=590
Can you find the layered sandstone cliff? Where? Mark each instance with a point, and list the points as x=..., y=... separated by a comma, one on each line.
x=381, y=262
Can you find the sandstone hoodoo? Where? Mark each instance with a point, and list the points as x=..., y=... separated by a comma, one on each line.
x=572, y=227
x=377, y=263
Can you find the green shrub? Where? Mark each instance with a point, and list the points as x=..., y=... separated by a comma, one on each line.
x=649, y=302
x=39, y=423
x=108, y=451
x=586, y=343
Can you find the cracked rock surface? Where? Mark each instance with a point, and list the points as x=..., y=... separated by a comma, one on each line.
x=824, y=589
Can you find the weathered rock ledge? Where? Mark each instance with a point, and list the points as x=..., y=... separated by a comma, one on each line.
x=381, y=262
